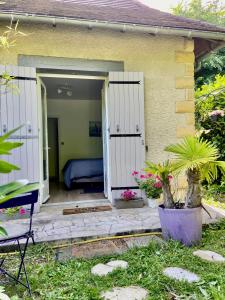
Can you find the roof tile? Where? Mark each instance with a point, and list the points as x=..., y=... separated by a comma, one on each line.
x=120, y=11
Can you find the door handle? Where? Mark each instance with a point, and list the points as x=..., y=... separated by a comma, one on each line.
x=4, y=128
x=117, y=128
x=29, y=128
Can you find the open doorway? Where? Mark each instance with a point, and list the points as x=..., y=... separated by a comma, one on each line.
x=74, y=113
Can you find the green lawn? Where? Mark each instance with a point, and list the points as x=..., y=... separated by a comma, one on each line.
x=72, y=280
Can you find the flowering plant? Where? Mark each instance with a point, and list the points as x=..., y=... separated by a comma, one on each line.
x=150, y=184
x=12, y=211
x=128, y=195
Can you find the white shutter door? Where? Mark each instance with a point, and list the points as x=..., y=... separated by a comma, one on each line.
x=126, y=129
x=18, y=106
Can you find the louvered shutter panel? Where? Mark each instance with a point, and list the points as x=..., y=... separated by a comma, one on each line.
x=18, y=106
x=126, y=129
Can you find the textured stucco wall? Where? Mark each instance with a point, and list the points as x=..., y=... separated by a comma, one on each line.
x=167, y=63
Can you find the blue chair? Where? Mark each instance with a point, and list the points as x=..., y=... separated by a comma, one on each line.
x=25, y=233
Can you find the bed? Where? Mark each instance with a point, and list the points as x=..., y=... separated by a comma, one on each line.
x=83, y=170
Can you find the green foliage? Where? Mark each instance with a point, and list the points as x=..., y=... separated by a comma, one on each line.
x=213, y=12
x=16, y=188
x=216, y=191
x=210, y=98
x=9, y=37
x=72, y=279
x=3, y=232
x=196, y=154
x=149, y=186
x=163, y=171
x=5, y=148
x=13, y=189
x=209, y=67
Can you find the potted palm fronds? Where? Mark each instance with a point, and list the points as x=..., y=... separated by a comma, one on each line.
x=182, y=219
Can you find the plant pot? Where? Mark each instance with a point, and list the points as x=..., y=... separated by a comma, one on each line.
x=184, y=225
x=16, y=216
x=152, y=203
x=135, y=203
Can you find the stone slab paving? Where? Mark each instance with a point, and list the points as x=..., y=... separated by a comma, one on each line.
x=127, y=293
x=105, y=269
x=181, y=274
x=209, y=256
x=50, y=225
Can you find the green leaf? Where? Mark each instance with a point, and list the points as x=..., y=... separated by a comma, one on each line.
x=3, y=232
x=194, y=153
x=6, y=167
x=7, y=146
x=23, y=190
x=11, y=187
x=8, y=134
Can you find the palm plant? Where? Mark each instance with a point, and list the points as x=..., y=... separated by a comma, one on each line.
x=198, y=159
x=163, y=172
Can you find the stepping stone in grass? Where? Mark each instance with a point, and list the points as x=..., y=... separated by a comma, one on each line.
x=127, y=293
x=4, y=296
x=209, y=256
x=103, y=270
x=118, y=264
x=181, y=274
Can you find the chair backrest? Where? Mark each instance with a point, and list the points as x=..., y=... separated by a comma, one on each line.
x=29, y=198
x=26, y=199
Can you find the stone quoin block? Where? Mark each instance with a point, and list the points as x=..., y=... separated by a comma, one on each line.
x=189, y=45
x=190, y=117
x=186, y=82
x=185, y=107
x=190, y=94
x=184, y=57
x=189, y=70
x=185, y=131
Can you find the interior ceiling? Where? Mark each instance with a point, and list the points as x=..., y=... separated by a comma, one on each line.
x=82, y=89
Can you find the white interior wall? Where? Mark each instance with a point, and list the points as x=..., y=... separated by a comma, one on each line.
x=74, y=117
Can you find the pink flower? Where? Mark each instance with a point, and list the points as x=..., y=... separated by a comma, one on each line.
x=158, y=178
x=149, y=175
x=128, y=195
x=217, y=112
x=142, y=176
x=170, y=177
x=158, y=185
x=135, y=173
x=22, y=211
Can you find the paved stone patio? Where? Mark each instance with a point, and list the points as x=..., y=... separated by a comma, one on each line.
x=51, y=225
x=51, y=228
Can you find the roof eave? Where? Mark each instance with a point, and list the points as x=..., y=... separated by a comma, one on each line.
x=125, y=27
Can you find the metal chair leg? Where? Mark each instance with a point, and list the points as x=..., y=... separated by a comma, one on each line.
x=33, y=241
x=22, y=264
x=2, y=262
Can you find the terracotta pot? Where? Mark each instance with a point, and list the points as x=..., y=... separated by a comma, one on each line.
x=184, y=225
